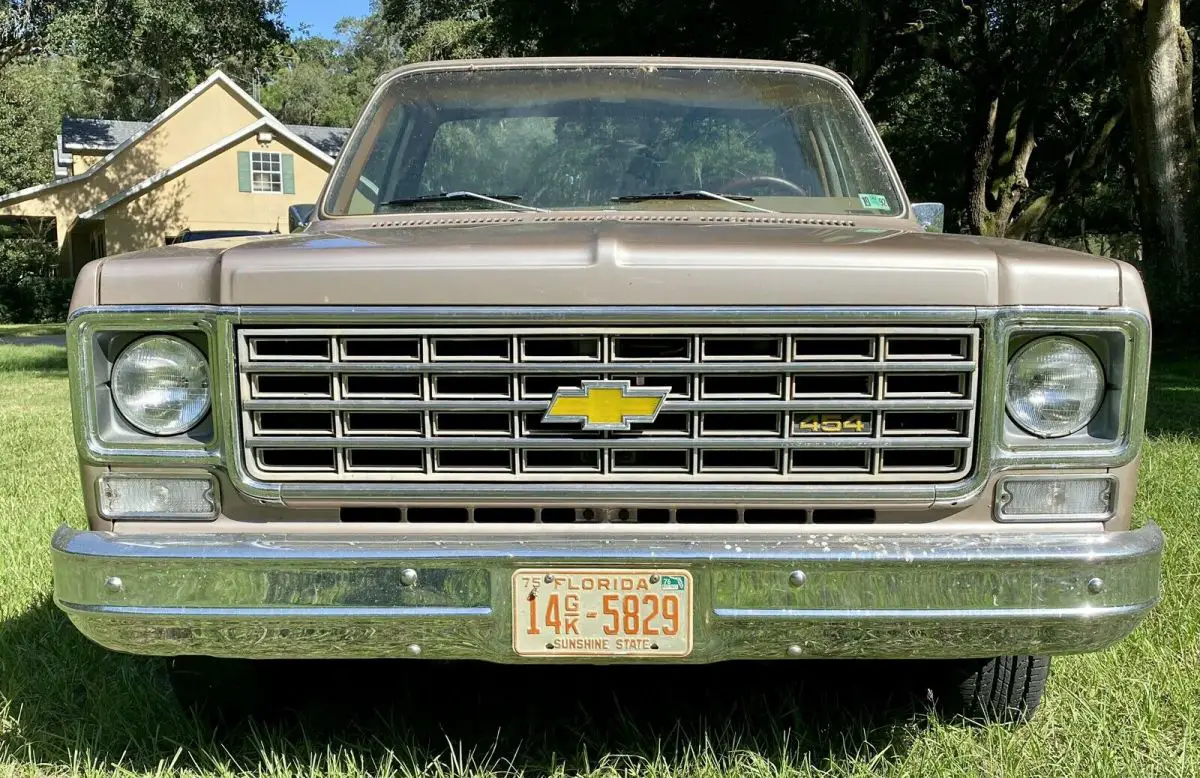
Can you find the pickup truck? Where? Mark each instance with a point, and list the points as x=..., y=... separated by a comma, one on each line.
x=612, y=360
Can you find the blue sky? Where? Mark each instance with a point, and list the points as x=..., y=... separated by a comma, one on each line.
x=322, y=15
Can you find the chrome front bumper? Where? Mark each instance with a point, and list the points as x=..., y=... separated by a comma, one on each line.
x=884, y=595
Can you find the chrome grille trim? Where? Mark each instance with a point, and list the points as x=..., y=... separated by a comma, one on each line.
x=428, y=372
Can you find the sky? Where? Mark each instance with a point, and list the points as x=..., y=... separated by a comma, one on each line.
x=322, y=15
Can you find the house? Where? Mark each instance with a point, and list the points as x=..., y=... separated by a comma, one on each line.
x=216, y=160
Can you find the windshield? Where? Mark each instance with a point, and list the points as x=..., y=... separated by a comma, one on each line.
x=606, y=137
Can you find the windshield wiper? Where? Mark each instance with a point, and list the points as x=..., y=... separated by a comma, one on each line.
x=507, y=200
x=693, y=194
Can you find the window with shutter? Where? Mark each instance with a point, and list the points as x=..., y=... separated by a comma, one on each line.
x=266, y=171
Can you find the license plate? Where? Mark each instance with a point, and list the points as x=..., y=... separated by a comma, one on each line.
x=629, y=613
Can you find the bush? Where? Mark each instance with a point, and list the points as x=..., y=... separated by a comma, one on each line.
x=31, y=291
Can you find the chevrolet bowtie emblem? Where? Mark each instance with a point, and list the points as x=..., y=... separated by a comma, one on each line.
x=606, y=405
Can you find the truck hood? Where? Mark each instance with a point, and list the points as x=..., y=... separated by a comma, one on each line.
x=609, y=263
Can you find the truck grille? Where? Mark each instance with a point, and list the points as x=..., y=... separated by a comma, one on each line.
x=790, y=405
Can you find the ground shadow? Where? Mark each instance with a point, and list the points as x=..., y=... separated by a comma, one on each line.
x=75, y=701
x=1174, y=401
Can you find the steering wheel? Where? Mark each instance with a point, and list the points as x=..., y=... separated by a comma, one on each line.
x=782, y=183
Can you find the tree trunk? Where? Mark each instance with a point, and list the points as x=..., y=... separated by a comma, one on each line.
x=1158, y=77
x=979, y=215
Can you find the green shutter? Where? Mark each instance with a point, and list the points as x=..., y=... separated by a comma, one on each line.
x=289, y=174
x=243, y=171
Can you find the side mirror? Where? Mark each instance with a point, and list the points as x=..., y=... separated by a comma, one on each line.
x=931, y=216
x=299, y=216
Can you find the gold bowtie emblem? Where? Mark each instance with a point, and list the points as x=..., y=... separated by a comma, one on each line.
x=606, y=405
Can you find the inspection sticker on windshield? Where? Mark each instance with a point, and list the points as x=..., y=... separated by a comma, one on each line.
x=874, y=202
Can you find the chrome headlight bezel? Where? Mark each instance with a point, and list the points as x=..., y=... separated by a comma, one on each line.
x=197, y=369
x=1090, y=392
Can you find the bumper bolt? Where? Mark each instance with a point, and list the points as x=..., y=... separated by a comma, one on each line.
x=114, y=584
x=797, y=578
x=1096, y=585
x=408, y=576
x=795, y=651
x=414, y=649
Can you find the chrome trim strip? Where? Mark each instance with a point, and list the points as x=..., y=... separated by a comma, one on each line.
x=400, y=612
x=474, y=315
x=917, y=614
x=448, y=368
x=998, y=324
x=261, y=595
x=666, y=441
x=367, y=404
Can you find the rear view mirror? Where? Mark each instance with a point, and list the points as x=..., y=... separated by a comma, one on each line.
x=931, y=216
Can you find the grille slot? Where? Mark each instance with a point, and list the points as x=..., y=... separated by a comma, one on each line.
x=289, y=349
x=564, y=349
x=471, y=349
x=292, y=386
x=301, y=459
x=453, y=514
x=461, y=423
x=384, y=459
x=382, y=386
x=660, y=348
x=650, y=459
x=381, y=423
x=466, y=404
x=382, y=349
x=551, y=460
x=288, y=423
x=717, y=348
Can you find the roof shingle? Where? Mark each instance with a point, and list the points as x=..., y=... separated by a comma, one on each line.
x=107, y=134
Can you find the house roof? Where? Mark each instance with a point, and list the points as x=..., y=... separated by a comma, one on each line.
x=141, y=129
x=99, y=134
x=106, y=134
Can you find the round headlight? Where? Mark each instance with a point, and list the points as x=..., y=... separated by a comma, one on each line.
x=1055, y=387
x=160, y=385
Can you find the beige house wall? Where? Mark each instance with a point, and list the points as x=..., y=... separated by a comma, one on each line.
x=203, y=196
x=214, y=114
x=81, y=161
x=206, y=197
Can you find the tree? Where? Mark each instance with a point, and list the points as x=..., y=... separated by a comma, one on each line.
x=25, y=27
x=144, y=54
x=1158, y=77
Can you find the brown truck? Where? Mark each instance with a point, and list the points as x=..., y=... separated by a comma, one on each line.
x=613, y=360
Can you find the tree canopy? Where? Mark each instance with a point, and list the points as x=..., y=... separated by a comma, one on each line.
x=1054, y=121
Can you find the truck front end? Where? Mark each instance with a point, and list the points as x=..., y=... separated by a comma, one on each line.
x=560, y=417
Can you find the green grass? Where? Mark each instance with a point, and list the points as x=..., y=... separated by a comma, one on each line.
x=69, y=707
x=30, y=330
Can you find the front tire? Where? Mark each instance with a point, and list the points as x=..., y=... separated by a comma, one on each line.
x=1000, y=690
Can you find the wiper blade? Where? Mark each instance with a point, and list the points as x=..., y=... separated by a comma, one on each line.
x=507, y=200
x=693, y=194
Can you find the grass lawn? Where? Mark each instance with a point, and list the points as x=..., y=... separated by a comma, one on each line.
x=30, y=330
x=69, y=707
